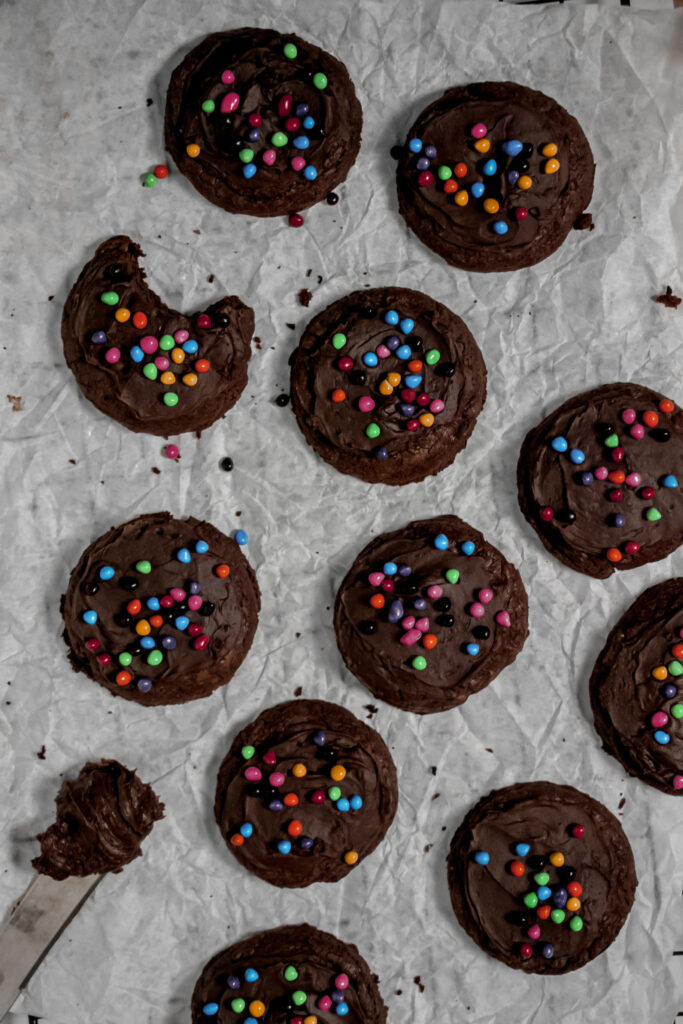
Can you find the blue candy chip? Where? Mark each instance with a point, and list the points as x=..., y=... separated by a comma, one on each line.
x=308, y=123
x=190, y=347
x=404, y=570
x=210, y=1009
x=301, y=142
x=513, y=147
x=341, y=1009
x=144, y=685
x=521, y=849
x=381, y=453
x=481, y=857
x=310, y=173
x=233, y=982
x=136, y=354
x=250, y=1020
x=543, y=892
x=343, y=804
x=182, y=622
x=276, y=805
x=320, y=739
x=241, y=537
x=412, y=380
x=407, y=325
x=184, y=555
x=587, y=479
x=168, y=643
x=90, y=617
x=419, y=604
x=513, y=177
x=415, y=145
x=404, y=352
x=249, y=170
x=577, y=456
x=500, y=227
x=390, y=568
x=106, y=572
x=478, y=190
x=467, y=547
x=284, y=846
x=559, y=444
x=430, y=151
x=391, y=317
x=669, y=481
x=148, y=642
x=153, y=604
x=662, y=737
x=370, y=359
x=441, y=541
x=247, y=830
x=472, y=650
x=201, y=547
x=490, y=168
x=392, y=343
x=356, y=803
x=301, y=109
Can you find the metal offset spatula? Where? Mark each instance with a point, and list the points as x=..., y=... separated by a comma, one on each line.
x=33, y=926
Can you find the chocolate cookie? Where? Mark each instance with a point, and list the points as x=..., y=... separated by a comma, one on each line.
x=541, y=877
x=493, y=176
x=262, y=123
x=290, y=975
x=430, y=614
x=151, y=368
x=305, y=793
x=161, y=610
x=102, y=818
x=636, y=687
x=387, y=385
x=598, y=479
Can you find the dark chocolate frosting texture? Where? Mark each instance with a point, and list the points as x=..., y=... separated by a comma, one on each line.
x=599, y=479
x=102, y=818
x=636, y=688
x=387, y=385
x=149, y=367
x=541, y=877
x=262, y=123
x=305, y=793
x=430, y=614
x=161, y=610
x=493, y=176
x=287, y=976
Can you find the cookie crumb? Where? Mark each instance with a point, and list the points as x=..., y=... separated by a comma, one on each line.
x=149, y=101
x=15, y=402
x=371, y=709
x=257, y=343
x=73, y=462
x=155, y=469
x=622, y=802
x=211, y=278
x=418, y=981
x=309, y=271
x=584, y=222
x=50, y=298
x=196, y=231
x=305, y=297
x=436, y=796
x=292, y=327
x=299, y=690
x=433, y=769
x=428, y=847
x=668, y=299
x=41, y=753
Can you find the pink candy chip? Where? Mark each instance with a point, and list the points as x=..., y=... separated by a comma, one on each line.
x=422, y=625
x=436, y=406
x=161, y=363
x=112, y=355
x=411, y=637
x=269, y=157
x=181, y=336
x=230, y=103
x=534, y=932
x=366, y=404
x=629, y=416
x=177, y=594
x=324, y=1003
x=383, y=352
x=601, y=473
x=194, y=603
x=408, y=622
x=477, y=610
x=659, y=719
x=637, y=431
x=633, y=480
x=276, y=779
x=435, y=591
x=503, y=619
x=298, y=163
x=375, y=578
x=341, y=982
x=253, y=774
x=678, y=781
x=227, y=78
x=149, y=344
x=478, y=130
x=485, y=596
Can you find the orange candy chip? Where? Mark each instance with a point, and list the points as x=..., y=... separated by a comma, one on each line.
x=140, y=320
x=237, y=840
x=614, y=555
x=222, y=571
x=450, y=186
x=650, y=418
x=460, y=170
x=202, y=366
x=156, y=621
x=290, y=800
x=666, y=405
x=295, y=828
x=415, y=365
x=677, y=650
x=429, y=641
x=123, y=678
x=133, y=607
x=377, y=600
x=543, y=913
x=338, y=395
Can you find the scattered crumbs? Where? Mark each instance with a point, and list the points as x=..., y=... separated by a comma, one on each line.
x=584, y=222
x=399, y=991
x=257, y=342
x=8, y=702
x=15, y=402
x=297, y=635
x=309, y=271
x=239, y=512
x=320, y=278
x=371, y=710
x=101, y=481
x=211, y=278
x=72, y=461
x=196, y=231
x=428, y=847
x=433, y=769
x=418, y=981
x=292, y=327
x=488, y=750
x=299, y=690
x=668, y=299
x=443, y=828
x=149, y=101
x=50, y=298
x=155, y=469
x=305, y=297
x=622, y=802
x=41, y=753
x=436, y=796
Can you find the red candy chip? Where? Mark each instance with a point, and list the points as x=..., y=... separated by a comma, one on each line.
x=578, y=831
x=517, y=868
x=296, y=220
x=387, y=585
x=650, y=419
x=237, y=840
x=616, y=495
x=460, y=170
x=543, y=913
x=200, y=642
x=666, y=405
x=292, y=124
x=92, y=645
x=408, y=395
x=632, y=548
x=412, y=424
x=161, y=171
x=646, y=493
x=291, y=800
x=285, y=105
x=270, y=759
x=614, y=555
x=166, y=601
x=521, y=213
x=140, y=320
x=255, y=120
x=345, y=363
x=618, y=454
x=574, y=888
x=203, y=320
x=526, y=952
x=423, y=399
x=617, y=476
x=546, y=514
x=318, y=797
x=104, y=659
x=425, y=179
x=194, y=629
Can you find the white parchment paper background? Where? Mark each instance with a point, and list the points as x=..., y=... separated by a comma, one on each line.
x=77, y=134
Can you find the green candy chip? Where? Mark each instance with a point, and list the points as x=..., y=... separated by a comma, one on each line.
x=248, y=752
x=576, y=924
x=150, y=371
x=109, y=298
x=611, y=441
x=144, y=567
x=444, y=172
x=675, y=668
x=557, y=916
x=320, y=80
x=419, y=663
x=279, y=139
x=677, y=711
x=208, y=106
x=531, y=900
x=452, y=575
x=125, y=658
x=653, y=515
x=542, y=878
x=166, y=342
x=432, y=357
x=155, y=658
x=246, y=155
x=372, y=430
x=170, y=398
x=338, y=340
x=291, y=973
x=238, y=1005
x=299, y=997
x=334, y=793
x=290, y=51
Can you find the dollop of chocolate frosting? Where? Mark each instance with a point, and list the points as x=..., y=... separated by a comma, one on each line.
x=464, y=235
x=370, y=638
x=270, y=86
x=121, y=389
x=316, y=960
x=102, y=817
x=455, y=381
x=318, y=736
x=189, y=668
x=641, y=477
x=488, y=898
x=625, y=692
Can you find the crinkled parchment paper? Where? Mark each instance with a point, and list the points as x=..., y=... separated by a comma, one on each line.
x=83, y=88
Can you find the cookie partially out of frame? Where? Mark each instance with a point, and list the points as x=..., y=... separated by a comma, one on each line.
x=493, y=176
x=387, y=385
x=262, y=123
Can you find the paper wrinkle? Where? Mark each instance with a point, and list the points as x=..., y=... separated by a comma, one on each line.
x=71, y=178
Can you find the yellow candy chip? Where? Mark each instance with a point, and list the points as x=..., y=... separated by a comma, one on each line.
x=462, y=197
x=525, y=182
x=491, y=205
x=551, y=166
x=482, y=145
x=190, y=379
x=556, y=859
x=351, y=857
x=385, y=388
x=167, y=378
x=426, y=419
x=550, y=149
x=661, y=672
x=394, y=379
x=192, y=150
x=299, y=770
